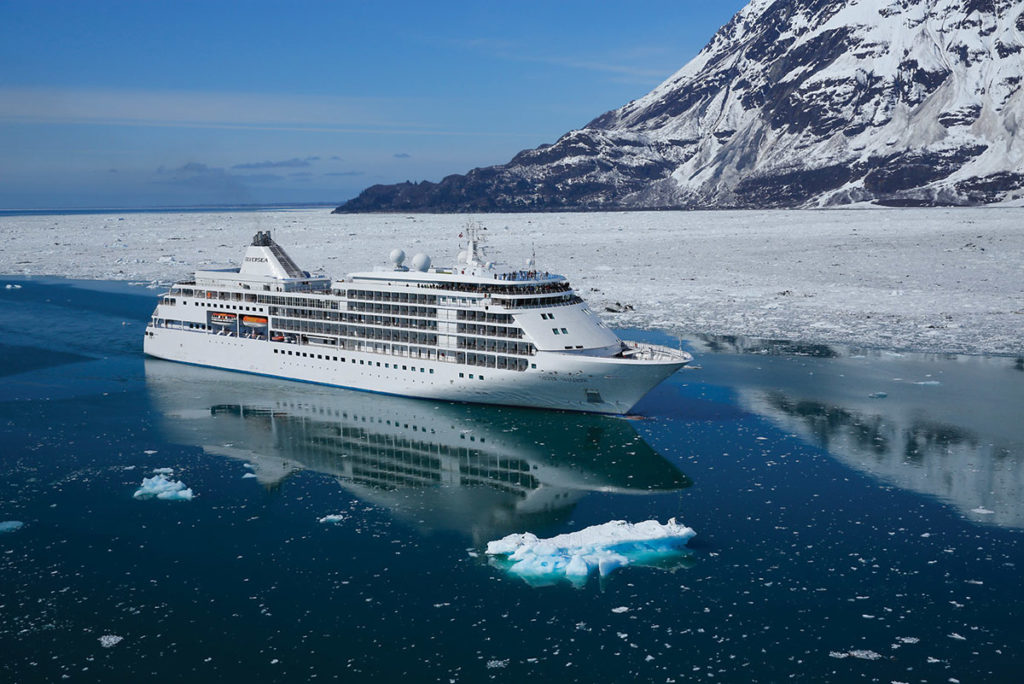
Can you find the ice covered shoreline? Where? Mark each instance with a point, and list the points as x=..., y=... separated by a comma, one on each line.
x=932, y=280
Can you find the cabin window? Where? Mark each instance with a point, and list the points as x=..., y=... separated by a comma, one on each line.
x=462, y=375
x=554, y=330
x=564, y=331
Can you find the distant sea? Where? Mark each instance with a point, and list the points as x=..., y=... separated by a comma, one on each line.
x=166, y=210
x=859, y=517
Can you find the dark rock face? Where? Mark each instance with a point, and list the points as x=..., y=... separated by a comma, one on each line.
x=793, y=103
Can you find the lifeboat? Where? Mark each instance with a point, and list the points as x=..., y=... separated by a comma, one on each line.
x=254, y=321
x=222, y=318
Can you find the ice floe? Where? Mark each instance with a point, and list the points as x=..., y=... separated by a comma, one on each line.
x=160, y=487
x=737, y=263
x=574, y=556
x=110, y=640
x=10, y=526
x=334, y=518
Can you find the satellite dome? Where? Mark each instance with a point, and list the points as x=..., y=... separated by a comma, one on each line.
x=420, y=262
x=530, y=263
x=397, y=256
x=462, y=257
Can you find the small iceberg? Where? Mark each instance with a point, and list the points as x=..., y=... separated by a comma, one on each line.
x=574, y=556
x=160, y=487
x=10, y=526
x=334, y=518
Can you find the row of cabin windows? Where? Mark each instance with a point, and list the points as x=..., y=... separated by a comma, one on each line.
x=492, y=330
x=547, y=316
x=500, y=346
x=471, y=358
x=484, y=316
x=236, y=307
x=378, y=296
x=400, y=309
x=393, y=321
x=217, y=295
x=362, y=362
x=388, y=334
x=564, y=331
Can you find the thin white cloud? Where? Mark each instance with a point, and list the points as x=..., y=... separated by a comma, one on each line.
x=506, y=50
x=196, y=108
x=233, y=111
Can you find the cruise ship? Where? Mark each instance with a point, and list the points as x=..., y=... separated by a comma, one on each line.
x=474, y=332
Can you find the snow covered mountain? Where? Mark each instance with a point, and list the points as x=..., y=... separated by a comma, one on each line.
x=793, y=103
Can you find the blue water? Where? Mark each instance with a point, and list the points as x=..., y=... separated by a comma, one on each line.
x=859, y=517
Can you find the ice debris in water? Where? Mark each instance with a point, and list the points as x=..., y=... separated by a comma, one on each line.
x=110, y=640
x=11, y=526
x=334, y=518
x=160, y=487
x=604, y=547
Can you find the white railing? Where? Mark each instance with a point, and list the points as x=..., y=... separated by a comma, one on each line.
x=654, y=352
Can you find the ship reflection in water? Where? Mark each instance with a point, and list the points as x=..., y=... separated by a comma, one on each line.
x=483, y=471
x=942, y=425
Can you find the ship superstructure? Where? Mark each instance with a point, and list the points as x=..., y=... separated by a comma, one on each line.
x=474, y=332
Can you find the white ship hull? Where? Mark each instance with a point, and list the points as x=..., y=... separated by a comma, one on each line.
x=570, y=382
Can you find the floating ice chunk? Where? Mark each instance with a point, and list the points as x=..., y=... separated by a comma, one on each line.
x=878, y=395
x=981, y=510
x=110, y=640
x=334, y=518
x=575, y=555
x=160, y=487
x=10, y=526
x=163, y=471
x=248, y=475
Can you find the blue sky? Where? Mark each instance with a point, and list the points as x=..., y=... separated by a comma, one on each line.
x=134, y=104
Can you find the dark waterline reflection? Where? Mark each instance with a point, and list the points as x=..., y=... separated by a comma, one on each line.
x=482, y=471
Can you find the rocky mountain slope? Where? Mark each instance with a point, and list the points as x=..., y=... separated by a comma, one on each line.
x=793, y=103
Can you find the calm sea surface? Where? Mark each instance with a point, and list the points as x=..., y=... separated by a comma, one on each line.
x=859, y=517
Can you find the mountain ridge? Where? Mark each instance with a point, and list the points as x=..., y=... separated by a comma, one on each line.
x=793, y=103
